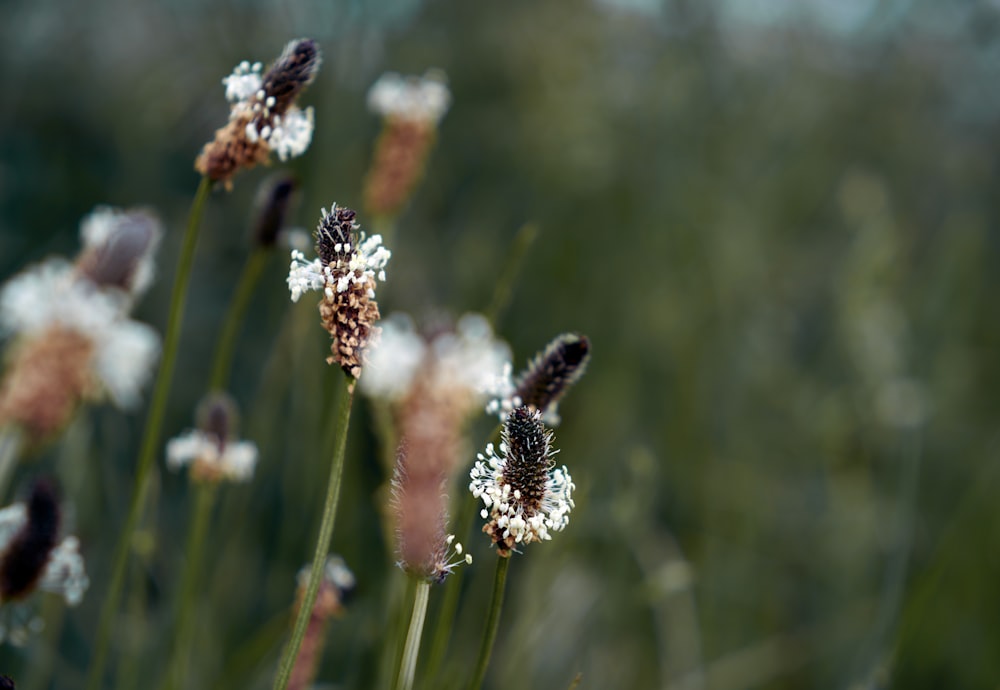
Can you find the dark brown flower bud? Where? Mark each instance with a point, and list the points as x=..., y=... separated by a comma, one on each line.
x=218, y=417
x=119, y=248
x=291, y=73
x=551, y=373
x=273, y=202
x=25, y=558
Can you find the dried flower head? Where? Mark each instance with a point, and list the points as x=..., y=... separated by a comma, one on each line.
x=412, y=107
x=263, y=117
x=274, y=197
x=31, y=555
x=549, y=375
x=337, y=582
x=526, y=496
x=212, y=450
x=118, y=248
x=346, y=271
x=73, y=339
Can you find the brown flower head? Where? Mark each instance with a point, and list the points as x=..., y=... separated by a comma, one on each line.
x=263, y=117
x=347, y=269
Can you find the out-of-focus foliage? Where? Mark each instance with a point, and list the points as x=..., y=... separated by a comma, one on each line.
x=775, y=221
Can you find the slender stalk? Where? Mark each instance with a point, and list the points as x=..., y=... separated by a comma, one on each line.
x=234, y=318
x=412, y=647
x=492, y=623
x=187, y=601
x=322, y=543
x=10, y=446
x=508, y=277
x=150, y=436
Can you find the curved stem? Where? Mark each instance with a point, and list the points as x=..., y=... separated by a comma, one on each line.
x=512, y=266
x=150, y=436
x=187, y=601
x=412, y=647
x=10, y=447
x=322, y=543
x=492, y=623
x=234, y=318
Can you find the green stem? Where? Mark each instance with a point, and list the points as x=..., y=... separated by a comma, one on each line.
x=150, y=436
x=10, y=446
x=505, y=283
x=412, y=647
x=234, y=318
x=322, y=543
x=179, y=676
x=492, y=623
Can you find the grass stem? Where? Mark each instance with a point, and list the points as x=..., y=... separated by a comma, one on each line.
x=150, y=437
x=492, y=623
x=412, y=647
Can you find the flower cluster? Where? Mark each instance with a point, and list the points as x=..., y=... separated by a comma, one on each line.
x=411, y=107
x=337, y=583
x=212, y=450
x=73, y=338
x=263, y=117
x=346, y=271
x=526, y=497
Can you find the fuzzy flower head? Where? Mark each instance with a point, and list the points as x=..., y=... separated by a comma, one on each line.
x=411, y=108
x=118, y=248
x=213, y=450
x=346, y=271
x=422, y=99
x=465, y=363
x=263, y=117
x=32, y=557
x=526, y=497
x=547, y=378
x=71, y=338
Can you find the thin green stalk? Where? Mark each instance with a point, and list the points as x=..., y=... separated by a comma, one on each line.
x=505, y=283
x=10, y=446
x=188, y=600
x=291, y=652
x=150, y=436
x=412, y=647
x=234, y=318
x=492, y=623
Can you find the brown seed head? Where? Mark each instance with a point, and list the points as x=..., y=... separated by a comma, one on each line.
x=553, y=372
x=273, y=202
x=47, y=376
x=398, y=165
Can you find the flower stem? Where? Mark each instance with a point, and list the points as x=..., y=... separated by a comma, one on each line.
x=150, y=436
x=508, y=277
x=10, y=447
x=187, y=601
x=492, y=623
x=412, y=647
x=322, y=543
x=234, y=317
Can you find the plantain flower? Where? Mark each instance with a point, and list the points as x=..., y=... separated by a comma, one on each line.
x=263, y=116
x=525, y=496
x=213, y=450
x=346, y=271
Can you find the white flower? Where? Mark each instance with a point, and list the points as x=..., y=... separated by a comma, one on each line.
x=292, y=134
x=422, y=99
x=124, y=236
x=232, y=460
x=469, y=359
x=52, y=295
x=64, y=573
x=244, y=82
x=526, y=497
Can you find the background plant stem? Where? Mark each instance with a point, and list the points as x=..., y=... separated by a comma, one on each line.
x=151, y=435
x=234, y=318
x=412, y=647
x=492, y=623
x=291, y=652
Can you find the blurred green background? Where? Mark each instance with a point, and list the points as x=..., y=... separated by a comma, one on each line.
x=776, y=220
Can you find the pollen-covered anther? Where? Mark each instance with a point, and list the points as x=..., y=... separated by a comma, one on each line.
x=526, y=497
x=263, y=116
